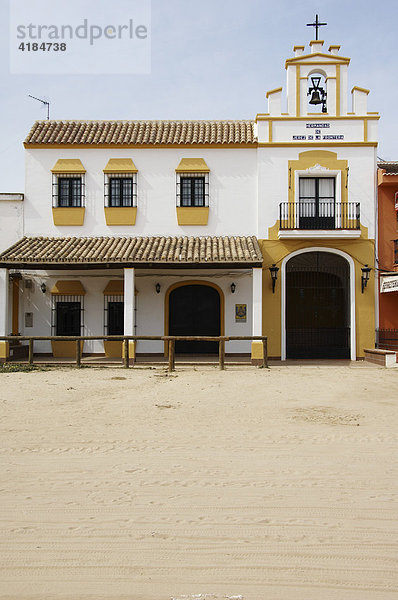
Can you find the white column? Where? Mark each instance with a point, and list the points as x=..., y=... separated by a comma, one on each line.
x=4, y=302
x=4, y=313
x=129, y=302
x=257, y=346
x=129, y=309
x=257, y=301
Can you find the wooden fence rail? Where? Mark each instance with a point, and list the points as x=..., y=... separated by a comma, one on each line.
x=170, y=339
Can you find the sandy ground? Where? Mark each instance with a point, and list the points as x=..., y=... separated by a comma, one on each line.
x=273, y=484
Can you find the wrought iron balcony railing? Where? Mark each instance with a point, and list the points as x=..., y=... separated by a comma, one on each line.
x=322, y=215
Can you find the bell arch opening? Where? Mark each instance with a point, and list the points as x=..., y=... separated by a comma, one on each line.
x=316, y=92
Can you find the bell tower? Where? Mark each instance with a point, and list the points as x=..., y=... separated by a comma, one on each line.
x=318, y=75
x=317, y=98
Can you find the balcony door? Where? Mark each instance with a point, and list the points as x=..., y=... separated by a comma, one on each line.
x=317, y=203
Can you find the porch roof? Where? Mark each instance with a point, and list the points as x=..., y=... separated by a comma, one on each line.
x=139, y=252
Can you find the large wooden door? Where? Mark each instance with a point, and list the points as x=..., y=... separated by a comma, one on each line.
x=317, y=306
x=195, y=310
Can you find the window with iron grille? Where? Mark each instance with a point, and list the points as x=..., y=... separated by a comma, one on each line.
x=68, y=190
x=114, y=315
x=396, y=252
x=67, y=315
x=193, y=189
x=120, y=189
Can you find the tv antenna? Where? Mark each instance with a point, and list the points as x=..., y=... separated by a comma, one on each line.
x=43, y=102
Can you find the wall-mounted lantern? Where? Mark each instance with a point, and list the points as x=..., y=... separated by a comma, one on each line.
x=233, y=288
x=274, y=276
x=43, y=288
x=365, y=276
x=157, y=288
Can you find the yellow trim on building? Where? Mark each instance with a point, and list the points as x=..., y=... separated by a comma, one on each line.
x=359, y=89
x=62, y=349
x=275, y=91
x=365, y=130
x=324, y=158
x=333, y=59
x=68, y=215
x=192, y=165
x=192, y=215
x=267, y=117
x=192, y=282
x=316, y=144
x=113, y=349
x=68, y=287
x=334, y=47
x=4, y=350
x=132, y=349
x=120, y=165
x=120, y=215
x=257, y=352
x=68, y=166
x=298, y=48
x=115, y=287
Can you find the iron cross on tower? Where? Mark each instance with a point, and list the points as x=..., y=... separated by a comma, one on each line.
x=317, y=25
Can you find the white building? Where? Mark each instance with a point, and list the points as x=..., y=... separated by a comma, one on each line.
x=170, y=227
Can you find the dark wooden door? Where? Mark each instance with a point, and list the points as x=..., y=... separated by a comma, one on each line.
x=195, y=310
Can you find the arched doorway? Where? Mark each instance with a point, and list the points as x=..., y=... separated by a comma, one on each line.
x=194, y=309
x=318, y=306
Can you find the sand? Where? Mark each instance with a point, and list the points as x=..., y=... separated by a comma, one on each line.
x=260, y=484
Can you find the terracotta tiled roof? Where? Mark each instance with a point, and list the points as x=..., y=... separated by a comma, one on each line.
x=390, y=167
x=137, y=251
x=141, y=133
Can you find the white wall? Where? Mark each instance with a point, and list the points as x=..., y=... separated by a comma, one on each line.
x=150, y=305
x=233, y=185
x=11, y=219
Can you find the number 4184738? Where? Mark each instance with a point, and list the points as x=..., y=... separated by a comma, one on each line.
x=43, y=47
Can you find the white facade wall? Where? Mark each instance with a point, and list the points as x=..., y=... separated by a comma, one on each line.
x=150, y=306
x=11, y=219
x=232, y=187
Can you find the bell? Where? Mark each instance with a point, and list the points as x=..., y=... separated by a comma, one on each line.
x=315, y=98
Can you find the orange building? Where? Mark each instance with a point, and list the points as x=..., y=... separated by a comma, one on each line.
x=388, y=254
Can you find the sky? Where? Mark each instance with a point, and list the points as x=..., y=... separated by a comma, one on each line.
x=213, y=59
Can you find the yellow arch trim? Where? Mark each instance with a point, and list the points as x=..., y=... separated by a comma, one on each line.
x=179, y=284
x=326, y=159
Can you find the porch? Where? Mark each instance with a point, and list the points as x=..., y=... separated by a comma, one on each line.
x=60, y=288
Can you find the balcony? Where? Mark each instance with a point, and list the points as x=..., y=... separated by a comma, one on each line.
x=319, y=220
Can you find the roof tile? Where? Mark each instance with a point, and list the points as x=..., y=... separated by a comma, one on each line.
x=139, y=250
x=141, y=133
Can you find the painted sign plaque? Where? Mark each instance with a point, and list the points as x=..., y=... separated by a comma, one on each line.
x=240, y=313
